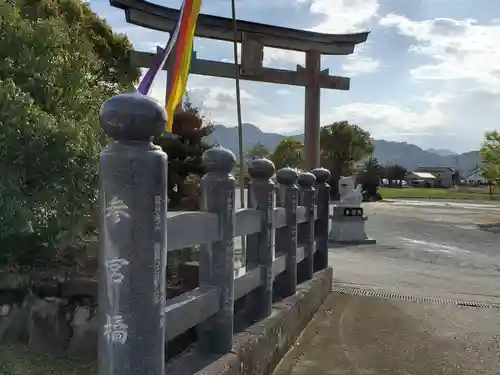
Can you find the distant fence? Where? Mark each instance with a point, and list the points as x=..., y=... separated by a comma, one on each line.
x=137, y=233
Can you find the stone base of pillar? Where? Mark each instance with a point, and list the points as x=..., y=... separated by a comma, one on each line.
x=348, y=226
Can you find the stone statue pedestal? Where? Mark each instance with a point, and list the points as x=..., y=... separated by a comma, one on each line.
x=348, y=226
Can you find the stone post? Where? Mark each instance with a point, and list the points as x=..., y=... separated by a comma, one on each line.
x=217, y=259
x=307, y=198
x=260, y=245
x=321, y=229
x=286, y=238
x=132, y=238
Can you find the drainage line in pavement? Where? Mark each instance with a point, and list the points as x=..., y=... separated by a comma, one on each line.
x=421, y=299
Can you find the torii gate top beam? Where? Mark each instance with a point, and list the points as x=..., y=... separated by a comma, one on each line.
x=157, y=17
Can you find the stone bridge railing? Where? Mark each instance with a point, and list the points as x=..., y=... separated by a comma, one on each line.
x=137, y=234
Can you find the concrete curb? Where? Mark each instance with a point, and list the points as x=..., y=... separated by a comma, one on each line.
x=488, y=226
x=258, y=349
x=368, y=241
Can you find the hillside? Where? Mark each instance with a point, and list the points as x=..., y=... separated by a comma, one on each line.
x=405, y=154
x=442, y=152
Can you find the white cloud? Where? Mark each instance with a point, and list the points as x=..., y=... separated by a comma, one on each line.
x=219, y=104
x=341, y=16
x=217, y=99
x=456, y=120
x=457, y=49
x=356, y=65
x=281, y=58
x=453, y=120
x=283, y=92
x=332, y=16
x=383, y=119
x=460, y=55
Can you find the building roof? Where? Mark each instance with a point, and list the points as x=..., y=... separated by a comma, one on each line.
x=441, y=169
x=424, y=175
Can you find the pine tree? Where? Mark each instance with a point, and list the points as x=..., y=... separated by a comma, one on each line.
x=185, y=147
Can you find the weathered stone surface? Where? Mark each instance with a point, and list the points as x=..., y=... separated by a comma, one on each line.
x=11, y=296
x=83, y=343
x=48, y=328
x=258, y=349
x=189, y=274
x=13, y=328
x=262, y=345
x=5, y=310
x=46, y=287
x=79, y=287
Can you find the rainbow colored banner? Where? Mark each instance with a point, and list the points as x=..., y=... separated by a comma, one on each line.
x=182, y=37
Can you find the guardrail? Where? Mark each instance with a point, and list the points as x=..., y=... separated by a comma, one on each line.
x=137, y=233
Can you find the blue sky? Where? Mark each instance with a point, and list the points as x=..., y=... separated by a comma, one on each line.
x=429, y=73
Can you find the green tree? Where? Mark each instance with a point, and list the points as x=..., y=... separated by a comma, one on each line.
x=185, y=148
x=258, y=151
x=111, y=49
x=372, y=165
x=490, y=152
x=58, y=63
x=288, y=153
x=395, y=173
x=370, y=177
x=342, y=144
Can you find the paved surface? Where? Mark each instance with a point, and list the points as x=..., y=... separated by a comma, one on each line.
x=428, y=249
x=425, y=248
x=353, y=335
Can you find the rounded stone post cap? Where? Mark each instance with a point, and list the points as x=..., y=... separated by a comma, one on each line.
x=306, y=180
x=261, y=169
x=287, y=176
x=219, y=160
x=322, y=175
x=132, y=116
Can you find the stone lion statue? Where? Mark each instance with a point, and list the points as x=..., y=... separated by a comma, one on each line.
x=349, y=194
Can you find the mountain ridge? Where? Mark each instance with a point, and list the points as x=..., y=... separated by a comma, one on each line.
x=406, y=154
x=441, y=151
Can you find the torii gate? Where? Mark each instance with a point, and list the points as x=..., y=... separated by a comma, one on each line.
x=254, y=37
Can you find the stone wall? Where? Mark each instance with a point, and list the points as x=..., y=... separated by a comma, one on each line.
x=259, y=348
x=52, y=317
x=59, y=317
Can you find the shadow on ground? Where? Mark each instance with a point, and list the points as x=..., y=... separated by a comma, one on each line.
x=365, y=335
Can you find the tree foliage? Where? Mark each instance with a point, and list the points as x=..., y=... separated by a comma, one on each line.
x=258, y=151
x=288, y=153
x=185, y=148
x=342, y=144
x=395, y=173
x=490, y=152
x=58, y=63
x=369, y=177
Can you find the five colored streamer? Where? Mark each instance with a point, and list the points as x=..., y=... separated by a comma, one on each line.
x=182, y=38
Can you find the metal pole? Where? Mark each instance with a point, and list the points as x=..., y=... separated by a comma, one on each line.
x=238, y=102
x=238, y=112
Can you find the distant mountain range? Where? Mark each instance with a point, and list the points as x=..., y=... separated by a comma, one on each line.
x=402, y=153
x=442, y=152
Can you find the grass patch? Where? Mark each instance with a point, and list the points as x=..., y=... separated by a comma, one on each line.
x=429, y=193
x=17, y=360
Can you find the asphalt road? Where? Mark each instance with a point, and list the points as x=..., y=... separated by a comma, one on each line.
x=424, y=248
x=427, y=248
